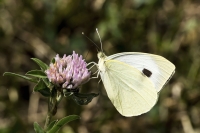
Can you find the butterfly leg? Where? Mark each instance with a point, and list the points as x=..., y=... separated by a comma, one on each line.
x=94, y=64
x=95, y=72
x=97, y=75
x=99, y=81
x=98, y=72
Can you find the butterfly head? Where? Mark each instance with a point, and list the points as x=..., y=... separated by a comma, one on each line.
x=101, y=55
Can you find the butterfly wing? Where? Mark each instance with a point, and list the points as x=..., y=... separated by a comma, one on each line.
x=159, y=69
x=131, y=92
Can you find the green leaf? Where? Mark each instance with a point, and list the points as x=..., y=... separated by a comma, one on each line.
x=66, y=93
x=46, y=81
x=51, y=125
x=42, y=65
x=21, y=76
x=62, y=122
x=37, y=128
x=42, y=88
x=37, y=73
x=53, y=60
x=83, y=99
x=45, y=92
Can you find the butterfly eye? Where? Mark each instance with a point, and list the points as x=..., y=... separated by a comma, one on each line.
x=102, y=55
x=147, y=72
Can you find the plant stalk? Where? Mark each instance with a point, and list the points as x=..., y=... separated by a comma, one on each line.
x=48, y=119
x=52, y=108
x=52, y=104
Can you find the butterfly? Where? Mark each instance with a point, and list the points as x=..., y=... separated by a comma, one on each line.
x=133, y=79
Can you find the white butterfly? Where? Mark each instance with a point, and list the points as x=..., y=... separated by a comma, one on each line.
x=132, y=80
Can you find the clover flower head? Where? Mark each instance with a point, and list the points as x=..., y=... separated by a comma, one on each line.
x=69, y=71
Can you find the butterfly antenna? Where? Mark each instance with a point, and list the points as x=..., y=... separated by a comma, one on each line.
x=91, y=41
x=100, y=39
x=86, y=54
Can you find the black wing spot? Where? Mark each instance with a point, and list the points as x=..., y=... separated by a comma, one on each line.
x=147, y=72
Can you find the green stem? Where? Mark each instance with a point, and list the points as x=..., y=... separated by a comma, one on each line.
x=48, y=119
x=52, y=107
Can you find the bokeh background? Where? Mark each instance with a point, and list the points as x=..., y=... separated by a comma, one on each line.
x=42, y=28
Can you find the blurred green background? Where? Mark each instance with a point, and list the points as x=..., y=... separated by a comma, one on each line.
x=42, y=28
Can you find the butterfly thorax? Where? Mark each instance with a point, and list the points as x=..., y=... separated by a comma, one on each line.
x=101, y=57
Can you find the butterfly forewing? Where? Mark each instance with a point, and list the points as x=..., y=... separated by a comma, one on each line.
x=159, y=69
x=130, y=91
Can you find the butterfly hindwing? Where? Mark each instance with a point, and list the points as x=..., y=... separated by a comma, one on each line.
x=131, y=92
